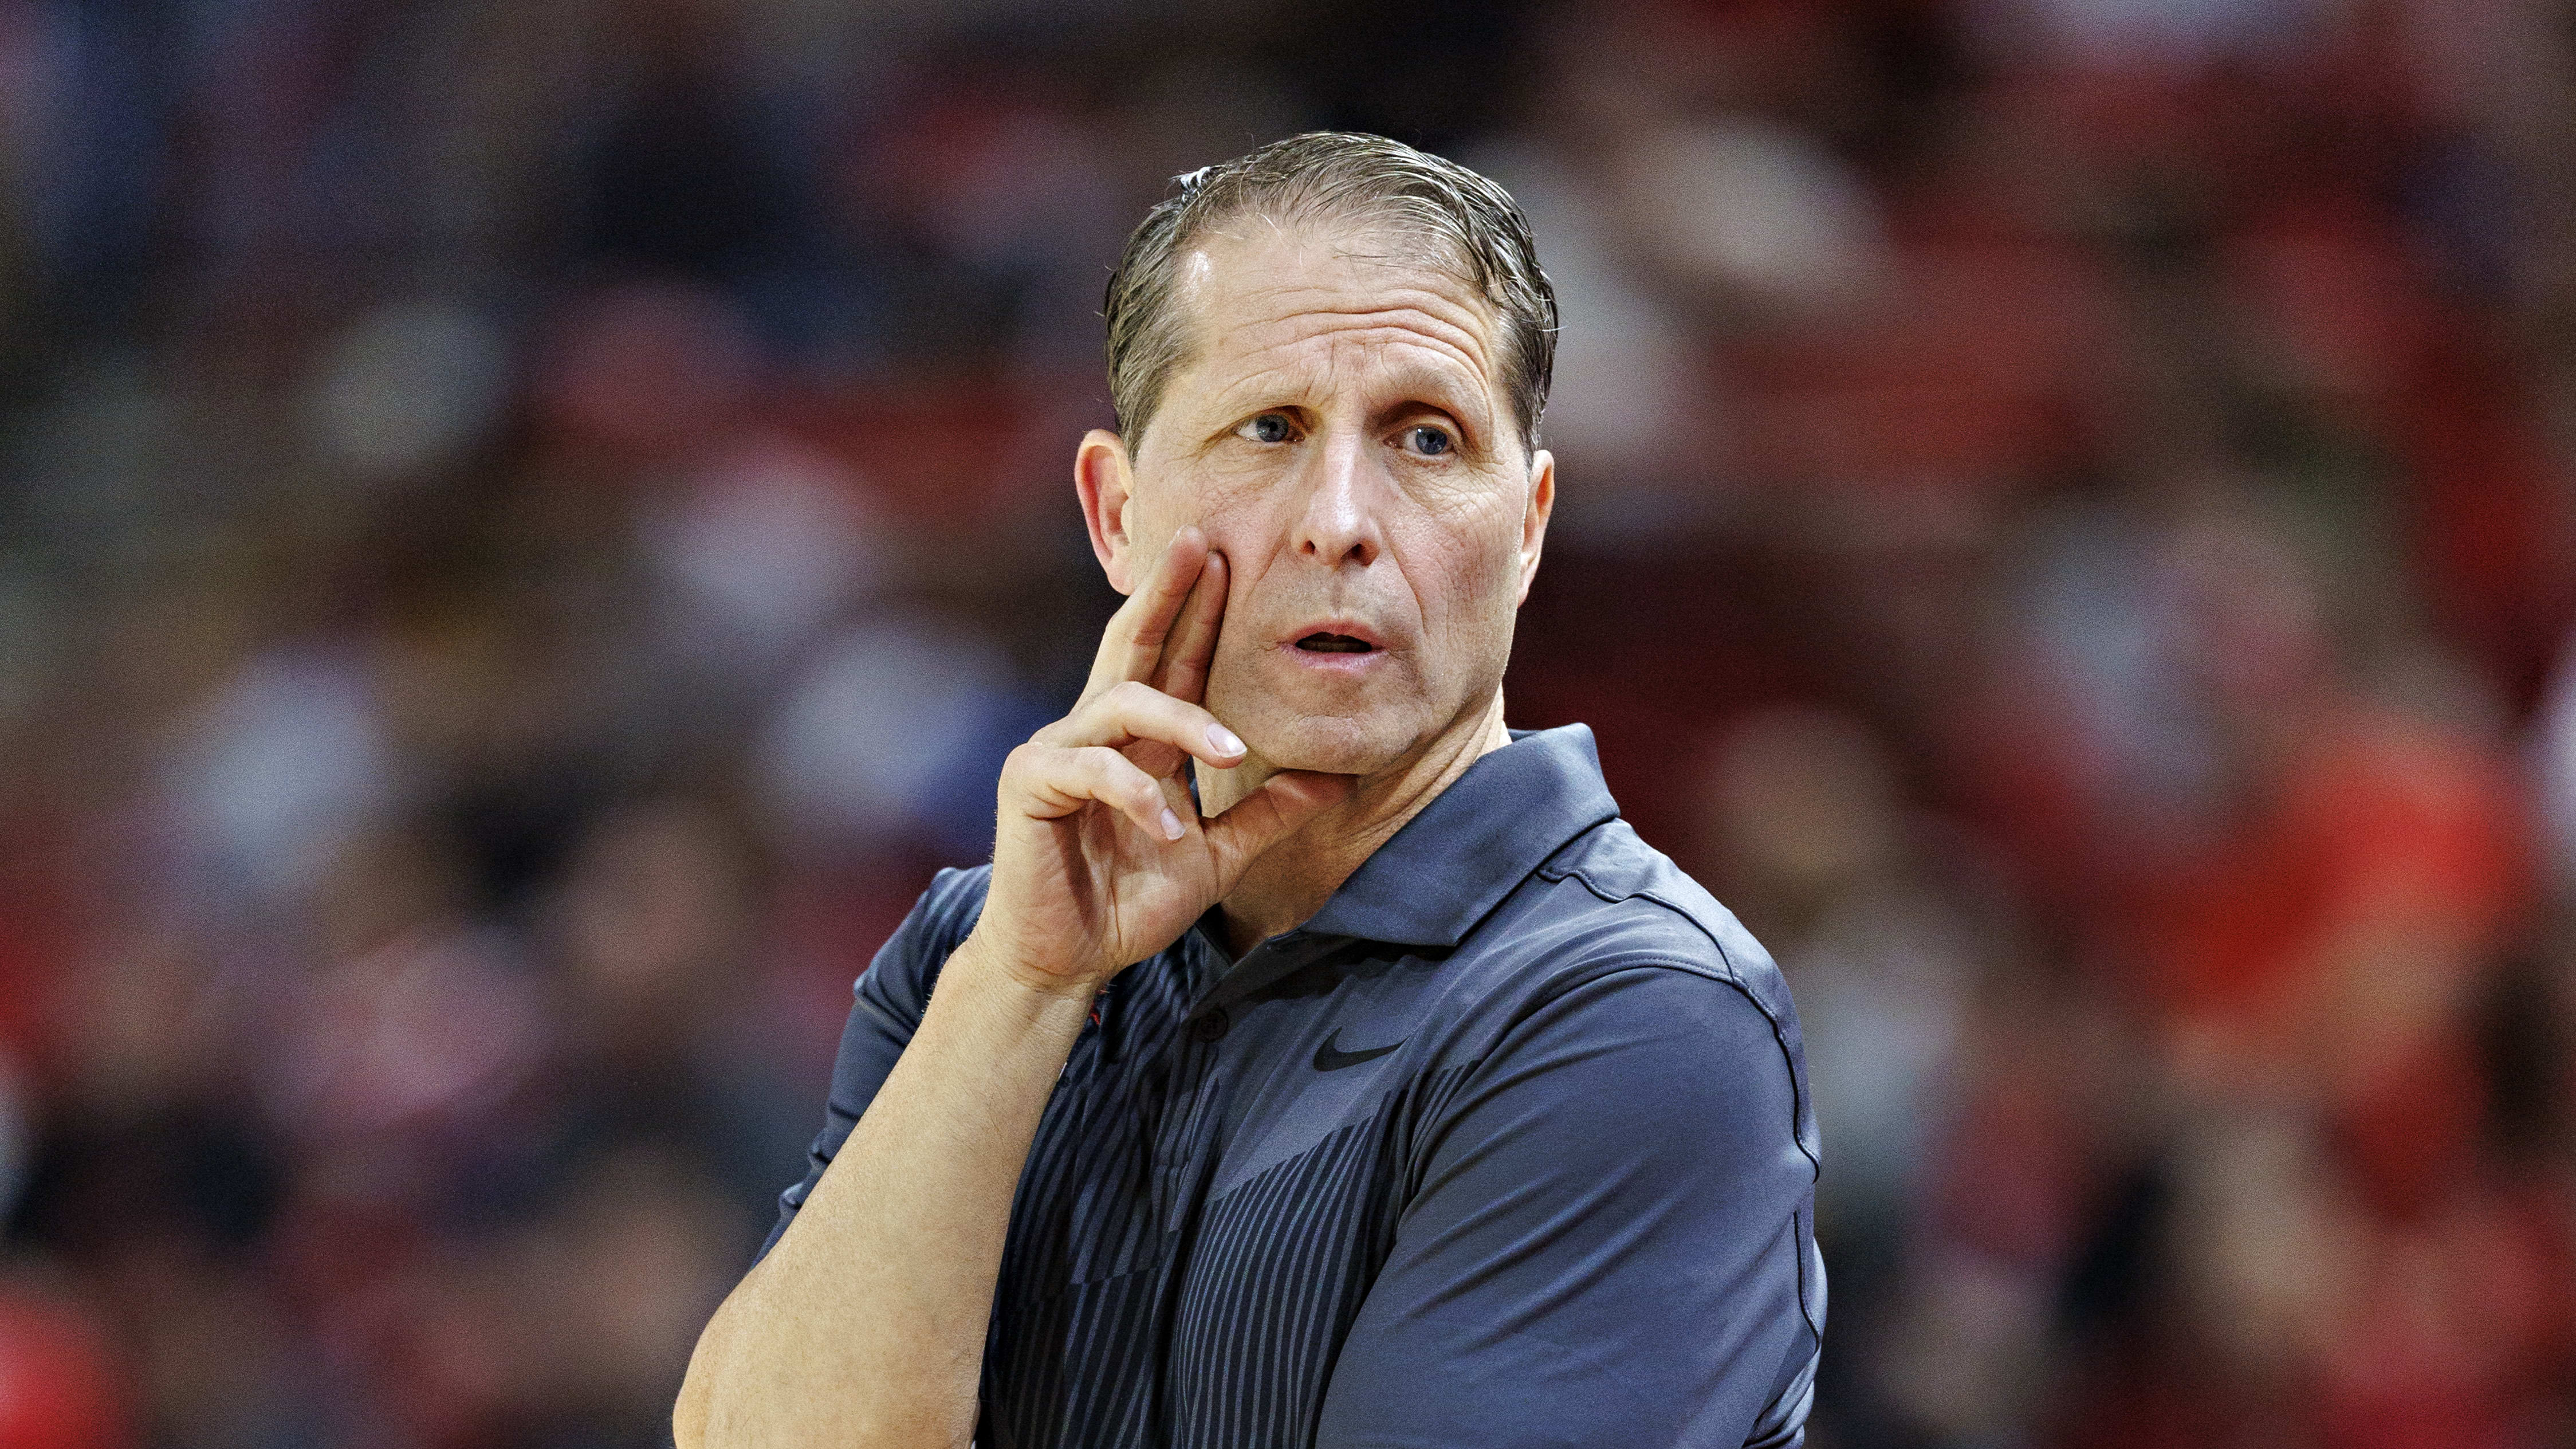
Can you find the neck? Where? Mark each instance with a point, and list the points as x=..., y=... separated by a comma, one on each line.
x=1292, y=880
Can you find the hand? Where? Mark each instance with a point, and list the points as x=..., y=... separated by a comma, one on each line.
x=1100, y=858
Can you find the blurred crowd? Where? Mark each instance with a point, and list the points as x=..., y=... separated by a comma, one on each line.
x=525, y=531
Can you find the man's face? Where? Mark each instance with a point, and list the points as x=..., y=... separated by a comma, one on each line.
x=1342, y=434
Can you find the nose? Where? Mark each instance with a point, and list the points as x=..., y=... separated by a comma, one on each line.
x=1337, y=522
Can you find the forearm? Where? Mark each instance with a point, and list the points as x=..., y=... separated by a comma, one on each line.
x=865, y=1325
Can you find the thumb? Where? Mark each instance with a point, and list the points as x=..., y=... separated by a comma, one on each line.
x=1269, y=815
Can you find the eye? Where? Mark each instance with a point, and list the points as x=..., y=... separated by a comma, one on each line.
x=1267, y=428
x=1427, y=440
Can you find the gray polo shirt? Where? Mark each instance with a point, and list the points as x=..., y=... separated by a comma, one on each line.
x=1509, y=1145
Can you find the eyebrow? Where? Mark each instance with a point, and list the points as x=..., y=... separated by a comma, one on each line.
x=1415, y=384
x=1444, y=390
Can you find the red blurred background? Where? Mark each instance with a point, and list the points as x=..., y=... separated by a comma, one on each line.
x=525, y=532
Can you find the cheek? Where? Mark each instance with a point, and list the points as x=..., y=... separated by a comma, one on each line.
x=1151, y=522
x=1158, y=515
x=1468, y=576
x=1242, y=524
x=1227, y=510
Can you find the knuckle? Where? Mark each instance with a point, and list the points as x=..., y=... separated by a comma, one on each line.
x=1023, y=765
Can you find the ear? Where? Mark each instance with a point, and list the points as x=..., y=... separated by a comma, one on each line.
x=1105, y=480
x=1542, y=502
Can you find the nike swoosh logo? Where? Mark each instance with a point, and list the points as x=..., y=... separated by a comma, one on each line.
x=1331, y=1058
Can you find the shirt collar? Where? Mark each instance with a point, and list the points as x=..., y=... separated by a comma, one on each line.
x=1454, y=861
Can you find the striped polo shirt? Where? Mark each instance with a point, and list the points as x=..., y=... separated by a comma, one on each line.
x=1509, y=1145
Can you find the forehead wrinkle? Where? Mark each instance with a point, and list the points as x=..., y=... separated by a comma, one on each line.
x=1253, y=320
x=1294, y=297
x=1331, y=285
x=1389, y=313
x=1339, y=329
x=1358, y=330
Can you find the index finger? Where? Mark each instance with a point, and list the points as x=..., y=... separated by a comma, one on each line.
x=1191, y=644
x=1132, y=646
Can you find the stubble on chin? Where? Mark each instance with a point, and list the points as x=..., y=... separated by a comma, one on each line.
x=1363, y=744
x=1366, y=730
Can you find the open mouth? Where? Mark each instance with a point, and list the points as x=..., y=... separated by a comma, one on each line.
x=1320, y=643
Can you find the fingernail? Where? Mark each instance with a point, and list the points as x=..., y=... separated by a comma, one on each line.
x=1224, y=740
x=1171, y=825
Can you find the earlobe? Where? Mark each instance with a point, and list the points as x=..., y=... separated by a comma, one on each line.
x=1104, y=482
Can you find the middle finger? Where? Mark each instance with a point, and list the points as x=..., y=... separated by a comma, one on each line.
x=1132, y=713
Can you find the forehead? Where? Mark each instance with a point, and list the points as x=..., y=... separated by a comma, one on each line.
x=1274, y=304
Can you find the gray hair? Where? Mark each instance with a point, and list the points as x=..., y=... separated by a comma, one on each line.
x=1473, y=224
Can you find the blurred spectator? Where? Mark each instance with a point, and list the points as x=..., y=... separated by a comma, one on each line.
x=60, y=1383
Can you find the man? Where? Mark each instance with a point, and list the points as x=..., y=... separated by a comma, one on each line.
x=1368, y=1081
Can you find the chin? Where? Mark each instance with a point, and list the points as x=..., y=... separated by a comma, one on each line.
x=1333, y=744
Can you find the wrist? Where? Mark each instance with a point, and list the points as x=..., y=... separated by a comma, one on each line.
x=994, y=964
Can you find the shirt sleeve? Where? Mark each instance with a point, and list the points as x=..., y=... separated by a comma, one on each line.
x=1612, y=1239
x=884, y=1013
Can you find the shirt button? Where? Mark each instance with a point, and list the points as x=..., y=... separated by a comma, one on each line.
x=1211, y=1026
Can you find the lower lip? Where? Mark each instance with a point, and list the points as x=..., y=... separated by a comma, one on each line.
x=1334, y=662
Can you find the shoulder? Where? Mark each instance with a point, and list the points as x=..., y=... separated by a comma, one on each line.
x=1608, y=901
x=899, y=978
x=949, y=908
x=1609, y=941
